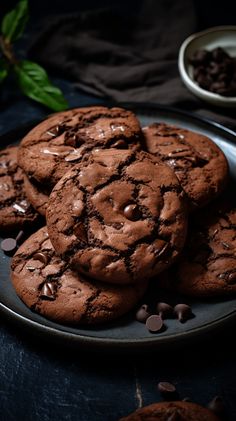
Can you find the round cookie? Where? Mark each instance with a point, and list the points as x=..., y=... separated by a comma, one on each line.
x=56, y=144
x=48, y=286
x=172, y=411
x=15, y=210
x=199, y=164
x=207, y=267
x=118, y=217
x=36, y=195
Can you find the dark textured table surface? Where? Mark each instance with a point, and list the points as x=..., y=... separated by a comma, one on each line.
x=41, y=381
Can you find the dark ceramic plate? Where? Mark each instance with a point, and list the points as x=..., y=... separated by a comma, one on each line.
x=126, y=333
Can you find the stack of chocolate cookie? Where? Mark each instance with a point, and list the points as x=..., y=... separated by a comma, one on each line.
x=116, y=200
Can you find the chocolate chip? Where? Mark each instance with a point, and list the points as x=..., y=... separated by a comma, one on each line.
x=48, y=291
x=55, y=131
x=217, y=406
x=119, y=144
x=232, y=278
x=183, y=312
x=9, y=246
x=218, y=54
x=164, y=310
x=142, y=314
x=132, y=212
x=168, y=391
x=200, y=57
x=71, y=139
x=154, y=323
x=42, y=257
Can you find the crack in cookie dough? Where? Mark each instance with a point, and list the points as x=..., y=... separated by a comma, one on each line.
x=119, y=217
x=199, y=164
x=47, y=285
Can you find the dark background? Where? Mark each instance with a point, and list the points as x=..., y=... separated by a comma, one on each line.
x=40, y=381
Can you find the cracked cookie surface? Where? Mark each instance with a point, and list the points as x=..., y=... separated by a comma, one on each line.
x=207, y=266
x=171, y=411
x=49, y=287
x=55, y=145
x=199, y=164
x=119, y=217
x=15, y=210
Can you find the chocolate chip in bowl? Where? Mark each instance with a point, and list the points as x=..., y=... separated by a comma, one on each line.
x=207, y=65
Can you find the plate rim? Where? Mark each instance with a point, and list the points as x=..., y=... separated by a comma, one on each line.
x=85, y=341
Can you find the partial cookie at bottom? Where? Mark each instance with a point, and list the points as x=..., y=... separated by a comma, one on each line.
x=48, y=286
x=172, y=411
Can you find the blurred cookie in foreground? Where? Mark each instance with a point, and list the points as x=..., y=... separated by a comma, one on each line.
x=207, y=266
x=199, y=164
x=49, y=287
x=55, y=145
x=172, y=411
x=15, y=210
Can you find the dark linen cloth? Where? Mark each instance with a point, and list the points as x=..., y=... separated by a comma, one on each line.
x=125, y=57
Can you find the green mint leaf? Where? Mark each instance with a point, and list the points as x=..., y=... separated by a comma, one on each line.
x=3, y=71
x=13, y=23
x=33, y=81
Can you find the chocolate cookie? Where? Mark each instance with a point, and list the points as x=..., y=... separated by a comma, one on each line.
x=56, y=144
x=172, y=411
x=48, y=286
x=36, y=195
x=118, y=217
x=199, y=164
x=15, y=210
x=207, y=266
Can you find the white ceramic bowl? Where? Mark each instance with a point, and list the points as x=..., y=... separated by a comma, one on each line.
x=220, y=36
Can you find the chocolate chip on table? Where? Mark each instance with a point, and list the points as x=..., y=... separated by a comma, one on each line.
x=9, y=246
x=217, y=406
x=48, y=291
x=154, y=323
x=42, y=257
x=164, y=310
x=142, y=314
x=168, y=391
x=183, y=312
